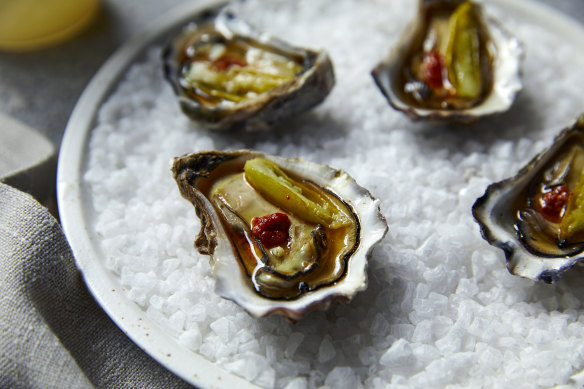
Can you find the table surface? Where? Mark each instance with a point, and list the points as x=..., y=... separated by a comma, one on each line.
x=41, y=88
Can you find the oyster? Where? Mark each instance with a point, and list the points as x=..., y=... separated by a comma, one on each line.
x=537, y=217
x=228, y=77
x=452, y=64
x=285, y=236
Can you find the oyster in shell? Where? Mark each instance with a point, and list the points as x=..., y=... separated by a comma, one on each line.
x=537, y=217
x=285, y=236
x=228, y=77
x=452, y=64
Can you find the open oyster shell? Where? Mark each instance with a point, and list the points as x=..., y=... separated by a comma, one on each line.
x=537, y=217
x=451, y=64
x=227, y=76
x=325, y=260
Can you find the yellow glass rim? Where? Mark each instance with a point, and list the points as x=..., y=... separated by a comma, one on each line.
x=54, y=38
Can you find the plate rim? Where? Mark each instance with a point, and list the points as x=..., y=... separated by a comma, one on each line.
x=72, y=196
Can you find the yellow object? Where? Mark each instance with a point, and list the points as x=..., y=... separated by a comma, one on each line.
x=34, y=24
x=573, y=220
x=276, y=186
x=463, y=52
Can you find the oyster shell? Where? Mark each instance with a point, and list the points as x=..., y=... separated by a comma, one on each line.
x=228, y=77
x=452, y=64
x=537, y=217
x=317, y=257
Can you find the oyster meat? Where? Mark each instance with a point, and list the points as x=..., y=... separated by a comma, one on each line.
x=285, y=236
x=453, y=64
x=228, y=77
x=537, y=217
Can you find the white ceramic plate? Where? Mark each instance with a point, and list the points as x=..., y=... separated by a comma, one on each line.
x=74, y=207
x=75, y=203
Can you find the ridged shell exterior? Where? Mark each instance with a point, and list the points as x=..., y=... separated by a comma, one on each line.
x=268, y=109
x=494, y=213
x=506, y=80
x=231, y=281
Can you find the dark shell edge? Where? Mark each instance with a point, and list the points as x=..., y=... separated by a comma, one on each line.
x=508, y=246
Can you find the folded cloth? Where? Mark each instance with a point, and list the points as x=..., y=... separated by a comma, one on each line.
x=52, y=333
x=28, y=160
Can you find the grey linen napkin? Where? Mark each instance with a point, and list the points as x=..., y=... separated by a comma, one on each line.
x=52, y=333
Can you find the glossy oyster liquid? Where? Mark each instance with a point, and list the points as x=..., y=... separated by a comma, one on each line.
x=266, y=279
x=546, y=231
x=414, y=88
x=217, y=70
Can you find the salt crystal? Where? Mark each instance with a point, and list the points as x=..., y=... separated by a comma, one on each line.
x=379, y=326
x=466, y=313
x=467, y=288
x=377, y=383
x=508, y=342
x=424, y=308
x=243, y=368
x=400, y=382
x=451, y=343
x=480, y=327
x=222, y=327
x=273, y=353
x=292, y=368
x=368, y=356
x=177, y=321
x=422, y=291
x=156, y=302
x=342, y=328
x=297, y=383
x=251, y=346
x=222, y=350
x=438, y=278
x=169, y=265
x=449, y=367
x=311, y=341
x=315, y=378
x=423, y=332
x=402, y=330
x=249, y=366
x=191, y=338
x=539, y=336
x=439, y=301
x=490, y=359
x=244, y=335
x=503, y=149
x=425, y=353
x=127, y=276
x=342, y=378
x=408, y=297
x=292, y=343
x=266, y=378
x=207, y=349
x=326, y=350
x=544, y=358
x=569, y=301
x=400, y=356
x=197, y=313
x=479, y=270
x=551, y=303
x=441, y=325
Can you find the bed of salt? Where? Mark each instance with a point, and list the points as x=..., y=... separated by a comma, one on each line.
x=441, y=310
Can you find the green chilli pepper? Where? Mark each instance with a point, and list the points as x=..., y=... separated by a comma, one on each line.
x=292, y=196
x=463, y=51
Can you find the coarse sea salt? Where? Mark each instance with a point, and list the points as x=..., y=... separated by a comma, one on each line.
x=441, y=309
